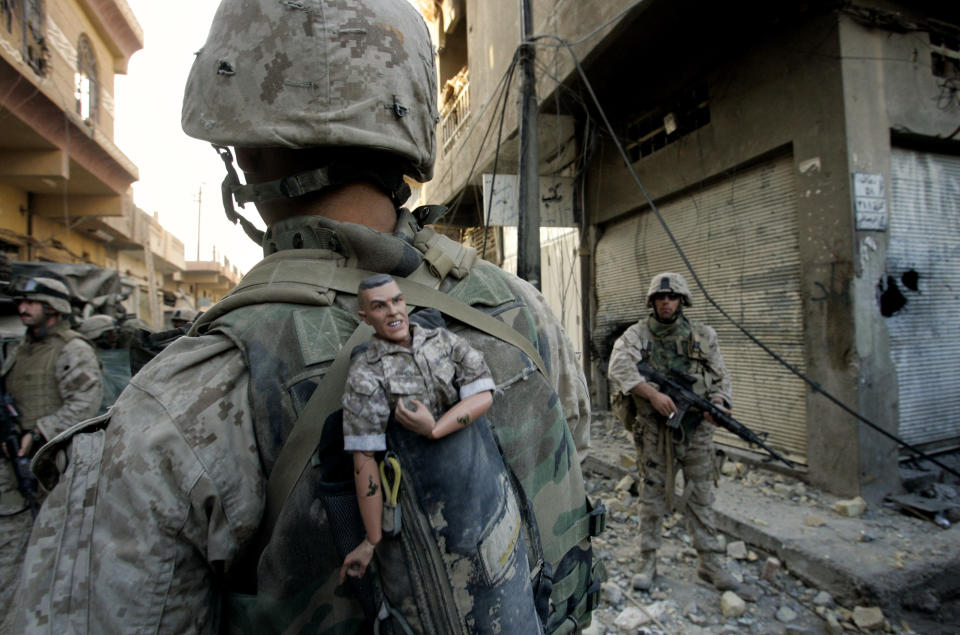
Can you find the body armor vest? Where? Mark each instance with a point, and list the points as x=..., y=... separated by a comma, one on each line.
x=675, y=347
x=33, y=380
x=288, y=347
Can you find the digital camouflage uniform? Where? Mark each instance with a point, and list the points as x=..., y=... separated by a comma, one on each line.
x=56, y=382
x=438, y=368
x=455, y=491
x=691, y=347
x=171, y=492
x=153, y=525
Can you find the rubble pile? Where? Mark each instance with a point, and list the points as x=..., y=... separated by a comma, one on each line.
x=770, y=598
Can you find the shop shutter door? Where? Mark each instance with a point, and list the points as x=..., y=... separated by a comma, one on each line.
x=925, y=333
x=741, y=236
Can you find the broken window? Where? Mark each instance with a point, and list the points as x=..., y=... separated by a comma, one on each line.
x=87, y=87
x=677, y=117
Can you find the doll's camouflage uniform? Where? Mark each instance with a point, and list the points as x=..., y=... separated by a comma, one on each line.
x=153, y=526
x=690, y=347
x=462, y=498
x=431, y=370
x=56, y=383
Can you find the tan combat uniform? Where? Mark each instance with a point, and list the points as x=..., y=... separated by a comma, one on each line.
x=430, y=370
x=55, y=382
x=690, y=347
x=170, y=493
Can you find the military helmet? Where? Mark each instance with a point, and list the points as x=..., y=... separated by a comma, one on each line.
x=96, y=325
x=327, y=73
x=669, y=283
x=47, y=290
x=183, y=314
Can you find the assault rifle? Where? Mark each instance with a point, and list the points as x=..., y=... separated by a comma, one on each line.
x=678, y=387
x=10, y=436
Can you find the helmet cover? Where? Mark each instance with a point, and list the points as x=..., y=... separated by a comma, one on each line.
x=669, y=283
x=47, y=290
x=312, y=73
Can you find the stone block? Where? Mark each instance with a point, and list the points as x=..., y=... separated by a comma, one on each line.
x=868, y=618
x=737, y=550
x=852, y=508
x=731, y=605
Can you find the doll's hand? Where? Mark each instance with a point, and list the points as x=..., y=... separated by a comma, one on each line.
x=419, y=420
x=355, y=564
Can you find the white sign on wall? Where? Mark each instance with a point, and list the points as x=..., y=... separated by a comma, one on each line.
x=870, y=201
x=556, y=200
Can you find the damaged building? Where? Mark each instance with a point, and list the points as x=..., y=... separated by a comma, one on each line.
x=806, y=157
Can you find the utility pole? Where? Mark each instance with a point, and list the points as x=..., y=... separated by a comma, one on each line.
x=528, y=224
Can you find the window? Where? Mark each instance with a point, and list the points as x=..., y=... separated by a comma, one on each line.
x=678, y=117
x=87, y=87
x=34, y=45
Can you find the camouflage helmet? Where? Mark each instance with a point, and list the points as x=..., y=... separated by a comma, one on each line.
x=356, y=74
x=183, y=315
x=669, y=283
x=47, y=290
x=96, y=325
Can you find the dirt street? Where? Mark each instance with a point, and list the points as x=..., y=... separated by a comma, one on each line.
x=764, y=506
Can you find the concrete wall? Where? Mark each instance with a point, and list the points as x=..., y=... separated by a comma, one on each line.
x=783, y=95
x=828, y=91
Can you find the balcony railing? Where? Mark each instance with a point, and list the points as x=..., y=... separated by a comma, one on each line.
x=454, y=116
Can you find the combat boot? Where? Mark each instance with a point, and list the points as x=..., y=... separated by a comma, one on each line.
x=712, y=571
x=643, y=580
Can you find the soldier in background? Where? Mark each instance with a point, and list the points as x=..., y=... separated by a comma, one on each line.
x=54, y=377
x=156, y=526
x=103, y=331
x=667, y=340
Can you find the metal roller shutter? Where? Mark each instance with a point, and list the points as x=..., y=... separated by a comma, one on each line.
x=741, y=236
x=925, y=333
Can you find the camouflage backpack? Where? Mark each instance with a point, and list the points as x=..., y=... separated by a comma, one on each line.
x=291, y=299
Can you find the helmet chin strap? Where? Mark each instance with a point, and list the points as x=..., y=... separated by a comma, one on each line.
x=230, y=184
x=299, y=184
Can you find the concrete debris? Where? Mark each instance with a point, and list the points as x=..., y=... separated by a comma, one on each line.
x=852, y=508
x=783, y=489
x=905, y=552
x=728, y=469
x=612, y=593
x=731, y=605
x=813, y=520
x=833, y=625
x=868, y=618
x=771, y=567
x=786, y=614
x=625, y=484
x=737, y=550
x=823, y=599
x=629, y=619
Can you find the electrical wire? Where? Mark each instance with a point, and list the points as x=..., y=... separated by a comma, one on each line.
x=816, y=387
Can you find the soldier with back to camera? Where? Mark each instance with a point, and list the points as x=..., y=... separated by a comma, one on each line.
x=182, y=511
x=668, y=341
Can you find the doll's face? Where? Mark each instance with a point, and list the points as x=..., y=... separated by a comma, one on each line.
x=385, y=309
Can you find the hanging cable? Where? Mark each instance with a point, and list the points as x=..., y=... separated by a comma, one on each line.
x=816, y=387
